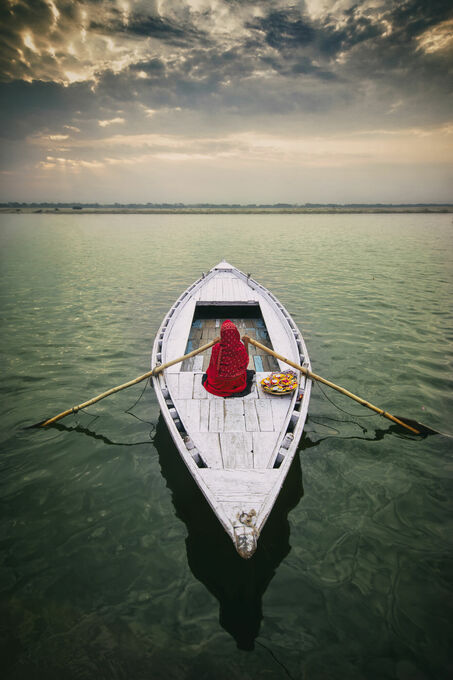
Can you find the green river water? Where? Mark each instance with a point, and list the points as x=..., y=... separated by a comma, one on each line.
x=112, y=564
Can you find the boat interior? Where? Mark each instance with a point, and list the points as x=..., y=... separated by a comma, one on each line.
x=235, y=433
x=206, y=324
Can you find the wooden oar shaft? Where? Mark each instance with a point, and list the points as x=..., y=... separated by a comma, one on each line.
x=318, y=378
x=155, y=371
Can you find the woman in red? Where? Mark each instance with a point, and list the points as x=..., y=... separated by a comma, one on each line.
x=227, y=370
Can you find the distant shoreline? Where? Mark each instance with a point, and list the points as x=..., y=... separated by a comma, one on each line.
x=240, y=210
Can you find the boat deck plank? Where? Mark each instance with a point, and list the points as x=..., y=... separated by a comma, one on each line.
x=234, y=415
x=198, y=364
x=199, y=391
x=250, y=415
x=263, y=449
x=185, y=385
x=189, y=413
x=255, y=420
x=216, y=415
x=172, y=380
x=208, y=444
x=251, y=425
x=204, y=415
x=236, y=450
x=280, y=406
x=225, y=287
x=229, y=485
x=265, y=418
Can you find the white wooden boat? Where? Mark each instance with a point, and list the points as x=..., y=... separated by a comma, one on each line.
x=238, y=450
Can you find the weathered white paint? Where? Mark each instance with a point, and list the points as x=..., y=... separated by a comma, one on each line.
x=238, y=439
x=264, y=413
x=204, y=415
x=198, y=364
x=216, y=415
x=264, y=444
x=172, y=383
x=185, y=385
x=189, y=412
x=251, y=417
x=178, y=331
x=208, y=444
x=280, y=335
x=236, y=450
x=234, y=415
x=224, y=287
x=230, y=484
x=199, y=391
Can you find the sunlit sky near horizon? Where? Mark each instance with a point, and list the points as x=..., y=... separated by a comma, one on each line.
x=229, y=101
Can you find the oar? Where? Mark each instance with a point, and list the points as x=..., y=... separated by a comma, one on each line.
x=155, y=371
x=313, y=376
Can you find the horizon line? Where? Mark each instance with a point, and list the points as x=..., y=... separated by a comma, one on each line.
x=198, y=204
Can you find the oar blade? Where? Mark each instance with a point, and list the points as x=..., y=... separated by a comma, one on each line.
x=423, y=429
x=30, y=427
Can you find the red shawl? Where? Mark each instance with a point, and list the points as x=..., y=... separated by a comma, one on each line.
x=227, y=371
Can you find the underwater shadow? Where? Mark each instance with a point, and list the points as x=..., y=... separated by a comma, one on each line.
x=238, y=584
x=368, y=433
x=94, y=435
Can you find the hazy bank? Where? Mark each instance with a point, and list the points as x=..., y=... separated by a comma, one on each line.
x=228, y=210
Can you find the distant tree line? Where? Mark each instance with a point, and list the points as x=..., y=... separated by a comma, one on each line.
x=176, y=206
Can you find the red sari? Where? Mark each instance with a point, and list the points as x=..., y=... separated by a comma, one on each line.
x=227, y=370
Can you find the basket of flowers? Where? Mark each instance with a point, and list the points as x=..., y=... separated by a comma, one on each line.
x=280, y=383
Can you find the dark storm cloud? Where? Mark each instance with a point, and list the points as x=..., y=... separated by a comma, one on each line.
x=285, y=28
x=282, y=39
x=356, y=29
x=388, y=34
x=13, y=20
x=396, y=27
x=48, y=24
x=415, y=16
x=388, y=53
x=78, y=74
x=153, y=68
x=146, y=26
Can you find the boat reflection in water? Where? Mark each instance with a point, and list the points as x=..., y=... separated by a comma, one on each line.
x=238, y=584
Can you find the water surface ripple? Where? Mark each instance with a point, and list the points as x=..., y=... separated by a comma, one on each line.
x=112, y=565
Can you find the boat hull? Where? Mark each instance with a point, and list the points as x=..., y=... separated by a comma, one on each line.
x=238, y=450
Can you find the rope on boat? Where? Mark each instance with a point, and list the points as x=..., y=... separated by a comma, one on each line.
x=248, y=518
x=128, y=410
x=353, y=415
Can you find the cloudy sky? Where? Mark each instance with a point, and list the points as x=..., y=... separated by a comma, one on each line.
x=227, y=100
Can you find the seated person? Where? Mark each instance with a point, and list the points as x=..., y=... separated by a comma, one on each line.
x=227, y=373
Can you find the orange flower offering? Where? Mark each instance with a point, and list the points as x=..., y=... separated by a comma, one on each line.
x=280, y=383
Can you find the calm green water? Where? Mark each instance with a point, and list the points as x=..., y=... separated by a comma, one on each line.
x=112, y=565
